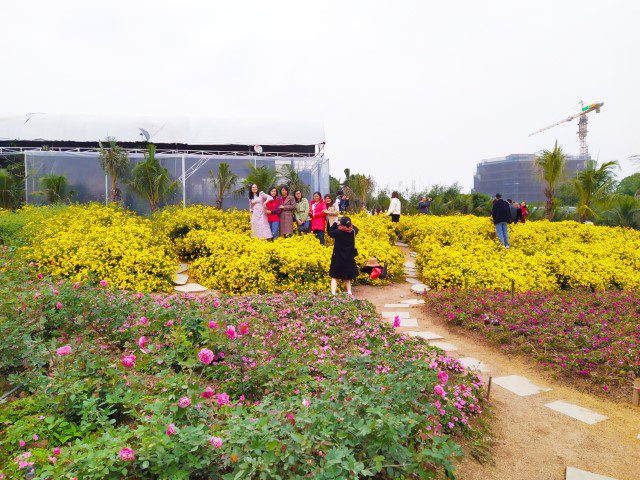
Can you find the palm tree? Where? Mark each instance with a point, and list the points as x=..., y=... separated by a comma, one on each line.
x=10, y=189
x=359, y=188
x=115, y=163
x=263, y=176
x=624, y=212
x=291, y=177
x=223, y=181
x=151, y=180
x=54, y=188
x=592, y=185
x=551, y=166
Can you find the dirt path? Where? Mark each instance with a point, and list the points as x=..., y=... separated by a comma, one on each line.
x=531, y=441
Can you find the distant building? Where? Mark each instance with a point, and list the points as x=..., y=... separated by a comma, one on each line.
x=515, y=176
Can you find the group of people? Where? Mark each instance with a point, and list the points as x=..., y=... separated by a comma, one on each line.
x=273, y=215
x=505, y=212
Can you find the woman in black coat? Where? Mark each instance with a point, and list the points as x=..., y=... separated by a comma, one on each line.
x=343, y=259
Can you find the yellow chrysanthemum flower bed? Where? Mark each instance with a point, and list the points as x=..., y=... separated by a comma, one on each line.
x=462, y=252
x=226, y=257
x=94, y=242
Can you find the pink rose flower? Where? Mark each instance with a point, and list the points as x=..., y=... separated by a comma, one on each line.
x=208, y=392
x=169, y=323
x=141, y=341
x=56, y=451
x=216, y=303
x=443, y=377
x=39, y=276
x=171, y=429
x=76, y=285
x=103, y=283
x=438, y=390
x=184, y=402
x=223, y=399
x=126, y=454
x=213, y=325
x=143, y=320
x=35, y=438
x=243, y=329
x=396, y=322
x=129, y=360
x=206, y=356
x=55, y=291
x=216, y=442
x=231, y=332
x=59, y=305
x=63, y=351
x=22, y=443
x=52, y=459
x=306, y=402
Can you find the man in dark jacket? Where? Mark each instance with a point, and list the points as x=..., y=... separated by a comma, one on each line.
x=424, y=205
x=513, y=210
x=501, y=214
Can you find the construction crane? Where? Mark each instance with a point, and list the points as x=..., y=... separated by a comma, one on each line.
x=582, y=125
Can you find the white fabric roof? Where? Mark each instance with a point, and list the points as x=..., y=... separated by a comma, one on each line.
x=185, y=130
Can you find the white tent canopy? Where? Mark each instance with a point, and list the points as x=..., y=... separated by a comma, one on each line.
x=180, y=130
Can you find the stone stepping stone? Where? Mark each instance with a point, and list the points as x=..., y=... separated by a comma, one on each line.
x=426, y=335
x=410, y=272
x=180, y=278
x=183, y=267
x=410, y=264
x=413, y=301
x=471, y=363
x=191, y=288
x=409, y=322
x=401, y=244
x=447, y=347
x=395, y=314
x=396, y=305
x=419, y=288
x=575, y=411
x=413, y=254
x=519, y=385
x=413, y=281
x=577, y=474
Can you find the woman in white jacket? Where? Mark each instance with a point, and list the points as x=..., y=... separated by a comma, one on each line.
x=394, y=207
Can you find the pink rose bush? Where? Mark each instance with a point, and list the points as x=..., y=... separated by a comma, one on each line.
x=64, y=351
x=126, y=454
x=129, y=361
x=206, y=356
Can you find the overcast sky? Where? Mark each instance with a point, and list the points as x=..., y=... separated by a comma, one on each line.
x=407, y=90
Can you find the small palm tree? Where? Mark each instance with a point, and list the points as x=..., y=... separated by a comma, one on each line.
x=223, y=181
x=115, y=162
x=291, y=177
x=360, y=188
x=551, y=167
x=624, y=212
x=593, y=185
x=10, y=190
x=152, y=181
x=263, y=176
x=54, y=188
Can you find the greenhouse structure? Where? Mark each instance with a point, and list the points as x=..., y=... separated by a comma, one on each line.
x=189, y=148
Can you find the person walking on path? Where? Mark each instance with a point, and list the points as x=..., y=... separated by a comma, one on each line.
x=273, y=212
x=332, y=211
x=259, y=223
x=501, y=214
x=318, y=216
x=302, y=212
x=394, y=207
x=424, y=205
x=288, y=205
x=343, y=259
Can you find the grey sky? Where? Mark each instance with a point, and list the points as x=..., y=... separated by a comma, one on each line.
x=407, y=90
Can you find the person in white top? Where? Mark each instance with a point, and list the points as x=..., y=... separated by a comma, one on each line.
x=394, y=207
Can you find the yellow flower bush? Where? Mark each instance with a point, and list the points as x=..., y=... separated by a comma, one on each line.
x=462, y=252
x=94, y=242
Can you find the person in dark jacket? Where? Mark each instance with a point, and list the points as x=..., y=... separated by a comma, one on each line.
x=501, y=214
x=424, y=204
x=513, y=210
x=343, y=260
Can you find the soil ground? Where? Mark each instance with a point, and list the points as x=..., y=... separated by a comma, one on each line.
x=530, y=441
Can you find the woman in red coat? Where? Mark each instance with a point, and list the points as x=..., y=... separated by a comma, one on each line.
x=316, y=212
x=525, y=211
x=273, y=212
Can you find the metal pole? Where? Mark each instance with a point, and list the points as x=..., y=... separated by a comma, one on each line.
x=106, y=189
x=184, y=186
x=26, y=181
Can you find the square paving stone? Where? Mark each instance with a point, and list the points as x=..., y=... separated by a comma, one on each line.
x=447, y=347
x=395, y=314
x=191, y=288
x=519, y=385
x=471, y=363
x=419, y=288
x=575, y=411
x=577, y=474
x=183, y=267
x=396, y=305
x=409, y=264
x=413, y=254
x=413, y=281
x=180, y=278
x=401, y=244
x=426, y=335
x=408, y=322
x=413, y=301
